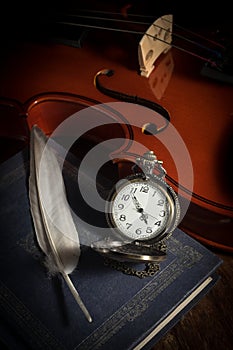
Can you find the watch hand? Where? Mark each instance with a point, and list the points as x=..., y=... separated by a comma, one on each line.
x=144, y=217
x=148, y=214
x=136, y=203
x=139, y=209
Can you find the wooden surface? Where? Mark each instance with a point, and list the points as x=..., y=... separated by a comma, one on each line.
x=209, y=325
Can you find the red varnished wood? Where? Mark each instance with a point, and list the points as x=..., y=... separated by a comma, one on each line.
x=200, y=109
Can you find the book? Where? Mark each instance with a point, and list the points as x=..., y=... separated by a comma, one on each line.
x=129, y=313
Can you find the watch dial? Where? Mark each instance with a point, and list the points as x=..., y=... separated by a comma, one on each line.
x=141, y=209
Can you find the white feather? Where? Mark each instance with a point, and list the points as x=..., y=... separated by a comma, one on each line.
x=54, y=226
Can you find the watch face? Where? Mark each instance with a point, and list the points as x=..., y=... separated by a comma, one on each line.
x=142, y=208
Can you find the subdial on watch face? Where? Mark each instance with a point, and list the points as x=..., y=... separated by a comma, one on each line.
x=140, y=209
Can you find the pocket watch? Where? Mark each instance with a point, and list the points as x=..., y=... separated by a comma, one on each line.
x=142, y=211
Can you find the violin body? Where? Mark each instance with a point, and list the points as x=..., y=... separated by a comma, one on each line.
x=51, y=81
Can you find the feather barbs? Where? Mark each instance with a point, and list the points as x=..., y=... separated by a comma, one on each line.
x=55, y=230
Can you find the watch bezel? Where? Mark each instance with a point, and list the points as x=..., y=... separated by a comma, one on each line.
x=173, y=204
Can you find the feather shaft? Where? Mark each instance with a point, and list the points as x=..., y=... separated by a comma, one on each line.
x=55, y=230
x=77, y=296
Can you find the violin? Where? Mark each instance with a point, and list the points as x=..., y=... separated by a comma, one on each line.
x=66, y=70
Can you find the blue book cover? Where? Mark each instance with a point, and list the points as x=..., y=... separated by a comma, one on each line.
x=39, y=312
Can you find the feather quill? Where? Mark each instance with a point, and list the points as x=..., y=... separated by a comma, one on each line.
x=55, y=230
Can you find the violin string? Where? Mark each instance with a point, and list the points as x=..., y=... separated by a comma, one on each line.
x=138, y=32
x=152, y=18
x=146, y=23
x=213, y=42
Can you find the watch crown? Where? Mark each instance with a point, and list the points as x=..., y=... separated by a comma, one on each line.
x=150, y=156
x=148, y=162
